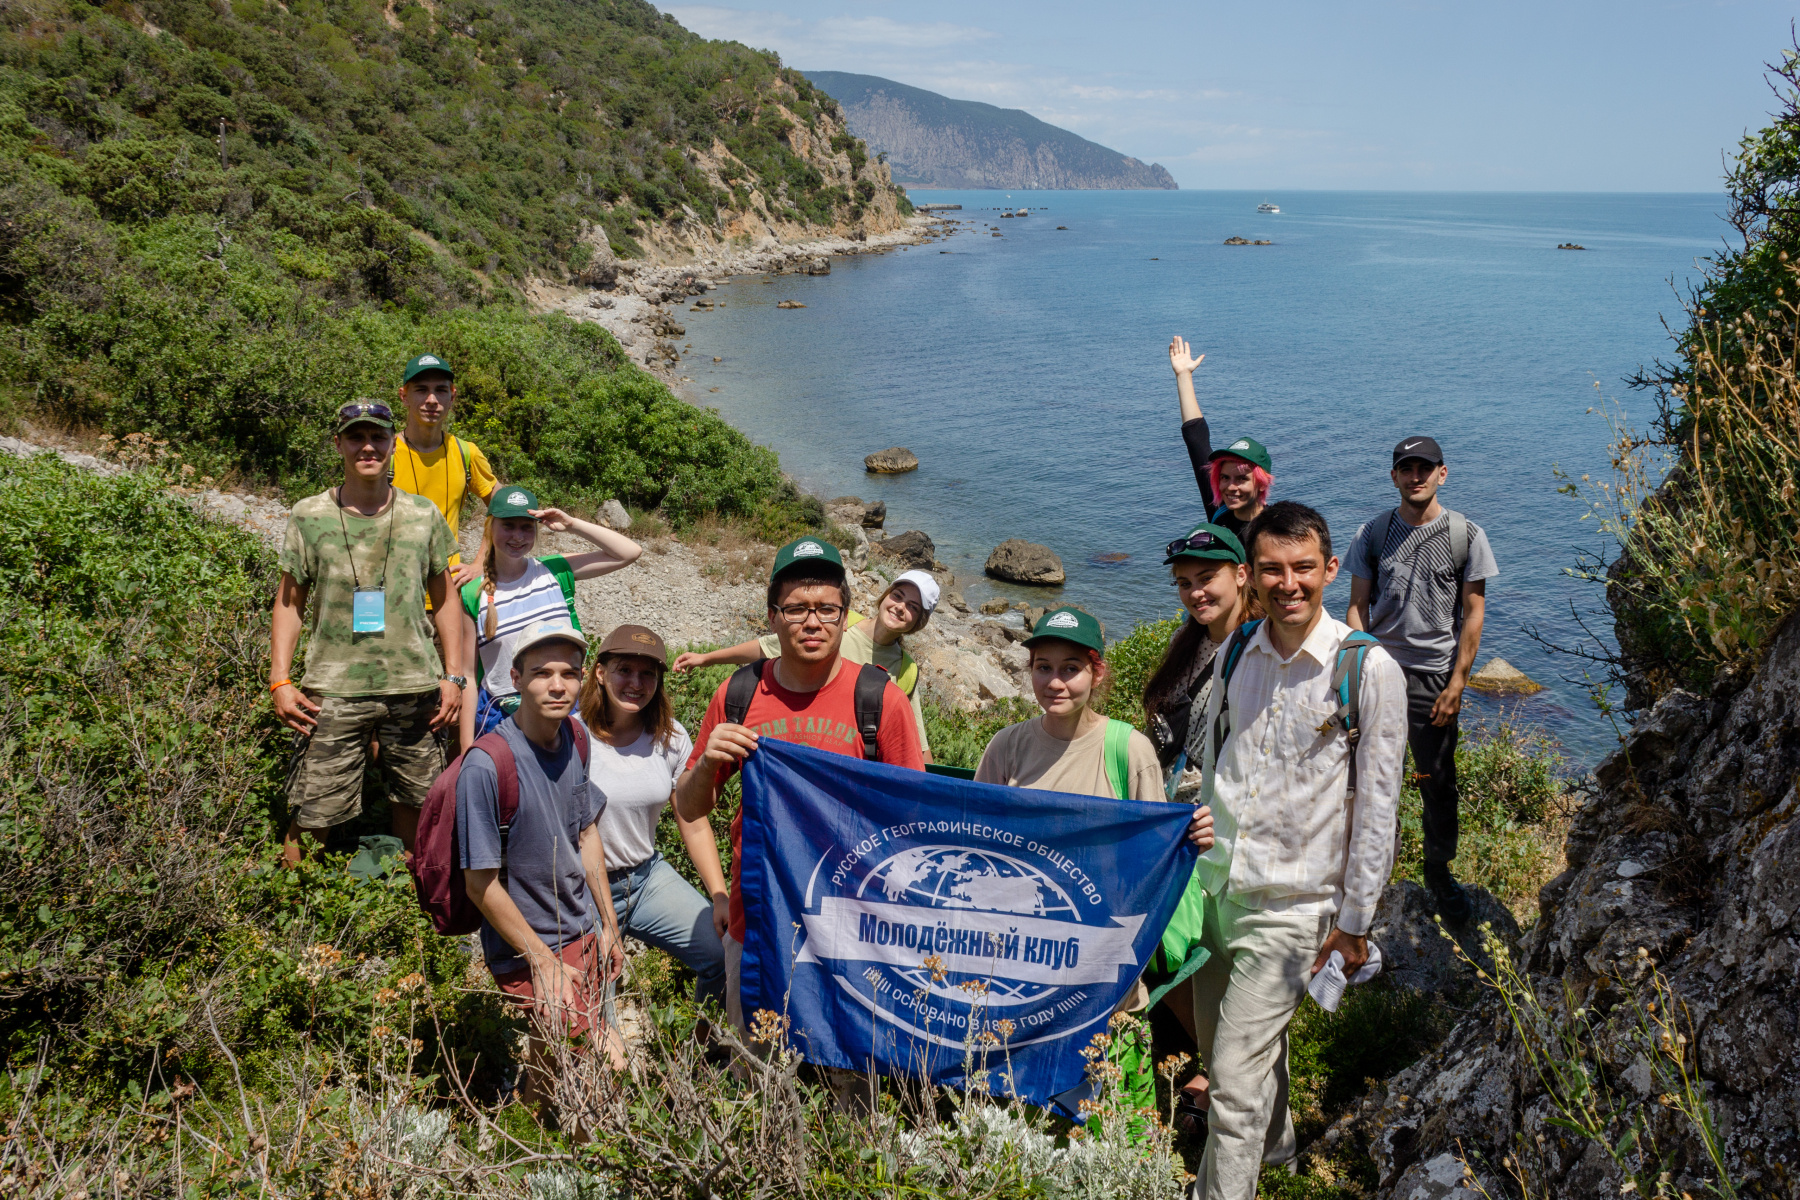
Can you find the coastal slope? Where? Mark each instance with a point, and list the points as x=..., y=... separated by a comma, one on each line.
x=934, y=141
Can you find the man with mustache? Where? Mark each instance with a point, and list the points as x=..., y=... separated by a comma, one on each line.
x=1303, y=836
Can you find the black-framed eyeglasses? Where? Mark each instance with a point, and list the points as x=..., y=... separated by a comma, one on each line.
x=795, y=614
x=1199, y=541
x=352, y=412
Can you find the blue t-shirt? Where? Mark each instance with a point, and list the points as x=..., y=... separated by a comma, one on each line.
x=543, y=872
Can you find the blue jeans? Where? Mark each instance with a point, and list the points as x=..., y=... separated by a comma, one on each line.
x=658, y=907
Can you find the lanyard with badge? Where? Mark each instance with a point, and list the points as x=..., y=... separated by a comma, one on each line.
x=368, y=605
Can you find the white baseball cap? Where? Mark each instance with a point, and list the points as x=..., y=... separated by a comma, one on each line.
x=552, y=630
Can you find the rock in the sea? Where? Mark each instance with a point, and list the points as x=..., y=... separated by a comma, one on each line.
x=913, y=549
x=819, y=266
x=895, y=460
x=874, y=514
x=1019, y=561
x=789, y=304
x=994, y=607
x=614, y=516
x=1502, y=678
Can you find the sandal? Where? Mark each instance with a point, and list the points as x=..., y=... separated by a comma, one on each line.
x=1190, y=1111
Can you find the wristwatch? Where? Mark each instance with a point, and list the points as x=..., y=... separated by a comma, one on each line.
x=461, y=681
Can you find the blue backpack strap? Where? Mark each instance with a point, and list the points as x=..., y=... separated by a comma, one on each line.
x=1346, y=681
x=1233, y=651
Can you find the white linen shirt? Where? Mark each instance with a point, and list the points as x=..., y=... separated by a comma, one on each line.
x=1287, y=835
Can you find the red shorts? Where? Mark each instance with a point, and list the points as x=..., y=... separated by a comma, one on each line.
x=584, y=956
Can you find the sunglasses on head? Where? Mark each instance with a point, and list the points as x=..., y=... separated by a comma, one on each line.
x=1198, y=541
x=351, y=412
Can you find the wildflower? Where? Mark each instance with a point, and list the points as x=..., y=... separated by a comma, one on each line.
x=935, y=965
x=975, y=987
x=386, y=996
x=1005, y=1026
x=987, y=1039
x=411, y=983
x=768, y=1026
x=381, y=1031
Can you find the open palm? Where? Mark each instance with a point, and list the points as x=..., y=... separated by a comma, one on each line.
x=1182, y=358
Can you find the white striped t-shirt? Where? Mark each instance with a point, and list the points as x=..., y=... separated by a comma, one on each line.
x=535, y=595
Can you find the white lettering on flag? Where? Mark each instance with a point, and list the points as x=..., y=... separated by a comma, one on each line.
x=994, y=944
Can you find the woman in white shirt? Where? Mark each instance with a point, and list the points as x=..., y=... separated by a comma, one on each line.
x=639, y=750
x=516, y=589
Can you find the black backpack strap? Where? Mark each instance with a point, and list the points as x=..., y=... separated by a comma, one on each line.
x=871, y=691
x=1378, y=531
x=741, y=689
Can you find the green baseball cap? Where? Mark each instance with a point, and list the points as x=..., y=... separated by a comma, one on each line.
x=424, y=363
x=1067, y=624
x=1248, y=449
x=364, y=412
x=511, y=500
x=1207, y=541
x=803, y=550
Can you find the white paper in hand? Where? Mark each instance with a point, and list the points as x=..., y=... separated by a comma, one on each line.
x=1327, y=987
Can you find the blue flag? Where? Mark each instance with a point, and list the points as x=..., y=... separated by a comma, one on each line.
x=938, y=927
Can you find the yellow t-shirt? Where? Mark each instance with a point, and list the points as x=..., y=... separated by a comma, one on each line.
x=438, y=476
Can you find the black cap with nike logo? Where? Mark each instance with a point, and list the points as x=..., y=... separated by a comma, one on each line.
x=1419, y=447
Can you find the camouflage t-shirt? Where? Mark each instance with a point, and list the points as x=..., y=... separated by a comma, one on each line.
x=400, y=660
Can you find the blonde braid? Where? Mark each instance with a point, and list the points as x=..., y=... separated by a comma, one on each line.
x=491, y=626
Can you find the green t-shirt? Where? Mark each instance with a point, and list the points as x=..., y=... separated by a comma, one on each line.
x=329, y=550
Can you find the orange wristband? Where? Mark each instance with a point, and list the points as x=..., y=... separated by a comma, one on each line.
x=276, y=687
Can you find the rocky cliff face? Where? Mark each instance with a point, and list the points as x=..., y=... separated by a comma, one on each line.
x=934, y=141
x=1686, y=860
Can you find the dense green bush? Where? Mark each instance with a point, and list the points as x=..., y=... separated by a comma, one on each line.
x=384, y=182
x=144, y=930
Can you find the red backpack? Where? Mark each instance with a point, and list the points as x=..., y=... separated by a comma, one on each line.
x=437, y=874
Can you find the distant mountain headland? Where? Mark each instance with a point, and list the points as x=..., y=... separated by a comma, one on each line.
x=934, y=141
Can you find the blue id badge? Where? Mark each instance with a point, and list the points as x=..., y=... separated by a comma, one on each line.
x=368, y=611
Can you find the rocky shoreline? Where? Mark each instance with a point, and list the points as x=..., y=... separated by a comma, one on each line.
x=633, y=299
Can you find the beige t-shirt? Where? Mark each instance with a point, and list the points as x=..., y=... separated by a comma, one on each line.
x=1026, y=756
x=859, y=647
x=1023, y=755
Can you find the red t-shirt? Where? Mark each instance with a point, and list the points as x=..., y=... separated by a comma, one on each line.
x=824, y=720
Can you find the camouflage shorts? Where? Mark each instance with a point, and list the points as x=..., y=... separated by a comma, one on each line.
x=326, y=781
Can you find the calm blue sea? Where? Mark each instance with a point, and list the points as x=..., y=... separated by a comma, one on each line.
x=1029, y=374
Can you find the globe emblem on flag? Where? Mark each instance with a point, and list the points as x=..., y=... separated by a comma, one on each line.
x=953, y=877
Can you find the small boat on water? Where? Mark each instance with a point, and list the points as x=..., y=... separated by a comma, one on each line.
x=1266, y=207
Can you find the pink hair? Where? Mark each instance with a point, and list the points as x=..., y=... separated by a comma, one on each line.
x=1263, y=479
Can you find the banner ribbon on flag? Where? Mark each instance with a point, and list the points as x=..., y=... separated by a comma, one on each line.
x=925, y=925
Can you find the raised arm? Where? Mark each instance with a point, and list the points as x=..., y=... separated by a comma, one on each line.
x=1194, y=432
x=613, y=550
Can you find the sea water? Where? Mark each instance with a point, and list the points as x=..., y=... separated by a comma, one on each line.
x=1029, y=373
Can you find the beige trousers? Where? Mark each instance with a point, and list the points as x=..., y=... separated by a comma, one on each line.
x=1244, y=998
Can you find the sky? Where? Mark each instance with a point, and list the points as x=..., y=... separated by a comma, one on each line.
x=1522, y=95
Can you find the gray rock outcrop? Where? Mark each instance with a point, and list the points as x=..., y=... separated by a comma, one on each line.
x=913, y=550
x=614, y=516
x=1019, y=561
x=1501, y=678
x=1682, y=861
x=895, y=460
